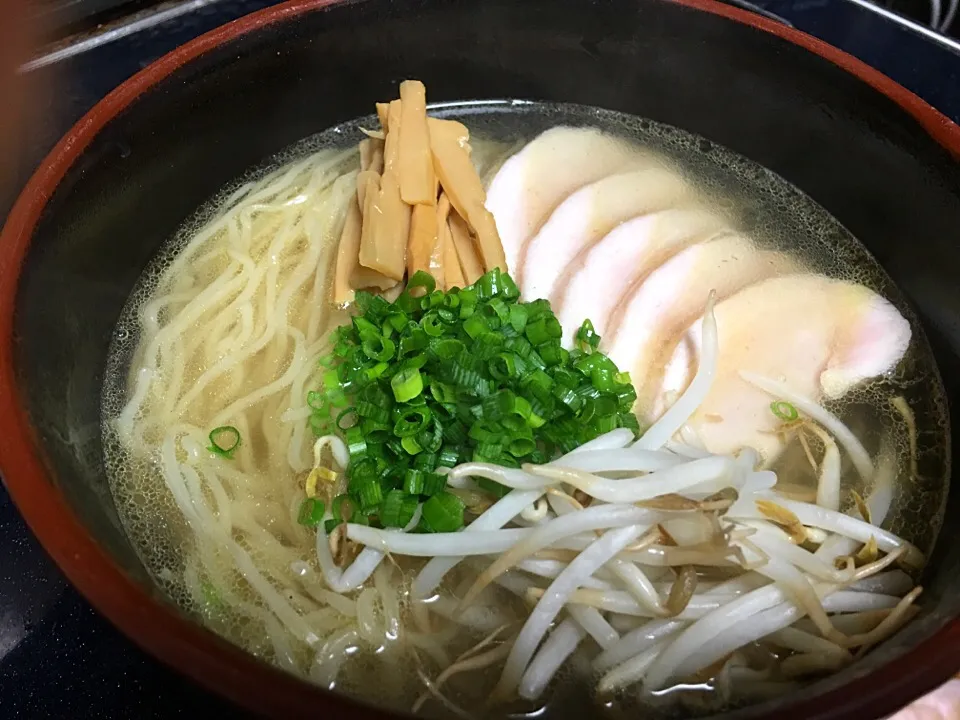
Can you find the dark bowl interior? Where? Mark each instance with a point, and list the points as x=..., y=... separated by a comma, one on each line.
x=294, y=71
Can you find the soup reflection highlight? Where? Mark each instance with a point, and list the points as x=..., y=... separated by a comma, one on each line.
x=563, y=414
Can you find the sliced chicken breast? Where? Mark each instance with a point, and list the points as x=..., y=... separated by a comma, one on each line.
x=602, y=275
x=537, y=179
x=649, y=321
x=819, y=336
x=588, y=215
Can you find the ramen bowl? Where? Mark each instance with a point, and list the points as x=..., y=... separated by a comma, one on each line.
x=127, y=176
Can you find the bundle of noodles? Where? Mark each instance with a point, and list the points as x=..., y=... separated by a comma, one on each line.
x=419, y=205
x=662, y=562
x=230, y=336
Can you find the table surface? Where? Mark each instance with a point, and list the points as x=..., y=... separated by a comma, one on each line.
x=58, y=657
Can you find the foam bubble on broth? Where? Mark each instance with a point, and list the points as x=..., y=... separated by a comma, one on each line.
x=773, y=212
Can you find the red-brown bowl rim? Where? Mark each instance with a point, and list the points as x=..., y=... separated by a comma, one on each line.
x=198, y=653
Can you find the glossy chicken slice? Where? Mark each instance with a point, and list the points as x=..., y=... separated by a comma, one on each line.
x=649, y=320
x=819, y=336
x=537, y=179
x=597, y=281
x=588, y=215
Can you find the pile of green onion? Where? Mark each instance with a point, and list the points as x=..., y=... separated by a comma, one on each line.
x=439, y=378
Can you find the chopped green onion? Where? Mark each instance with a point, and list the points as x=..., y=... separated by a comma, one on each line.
x=536, y=332
x=413, y=341
x=552, y=354
x=411, y=421
x=356, y=443
x=442, y=392
x=448, y=349
x=372, y=411
x=413, y=481
x=784, y=410
x=425, y=461
x=448, y=457
x=517, y=317
x=505, y=366
x=629, y=421
x=485, y=431
x=444, y=512
x=224, y=441
x=487, y=452
x=437, y=378
x=475, y=326
x=492, y=487
x=433, y=300
x=432, y=324
x=398, y=509
x=423, y=280
x=431, y=438
x=316, y=401
x=406, y=384
x=347, y=418
x=415, y=362
x=508, y=288
x=521, y=446
x=587, y=338
x=311, y=512
x=606, y=423
x=370, y=494
x=334, y=388
x=379, y=348
x=411, y=446
x=433, y=483
x=362, y=325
